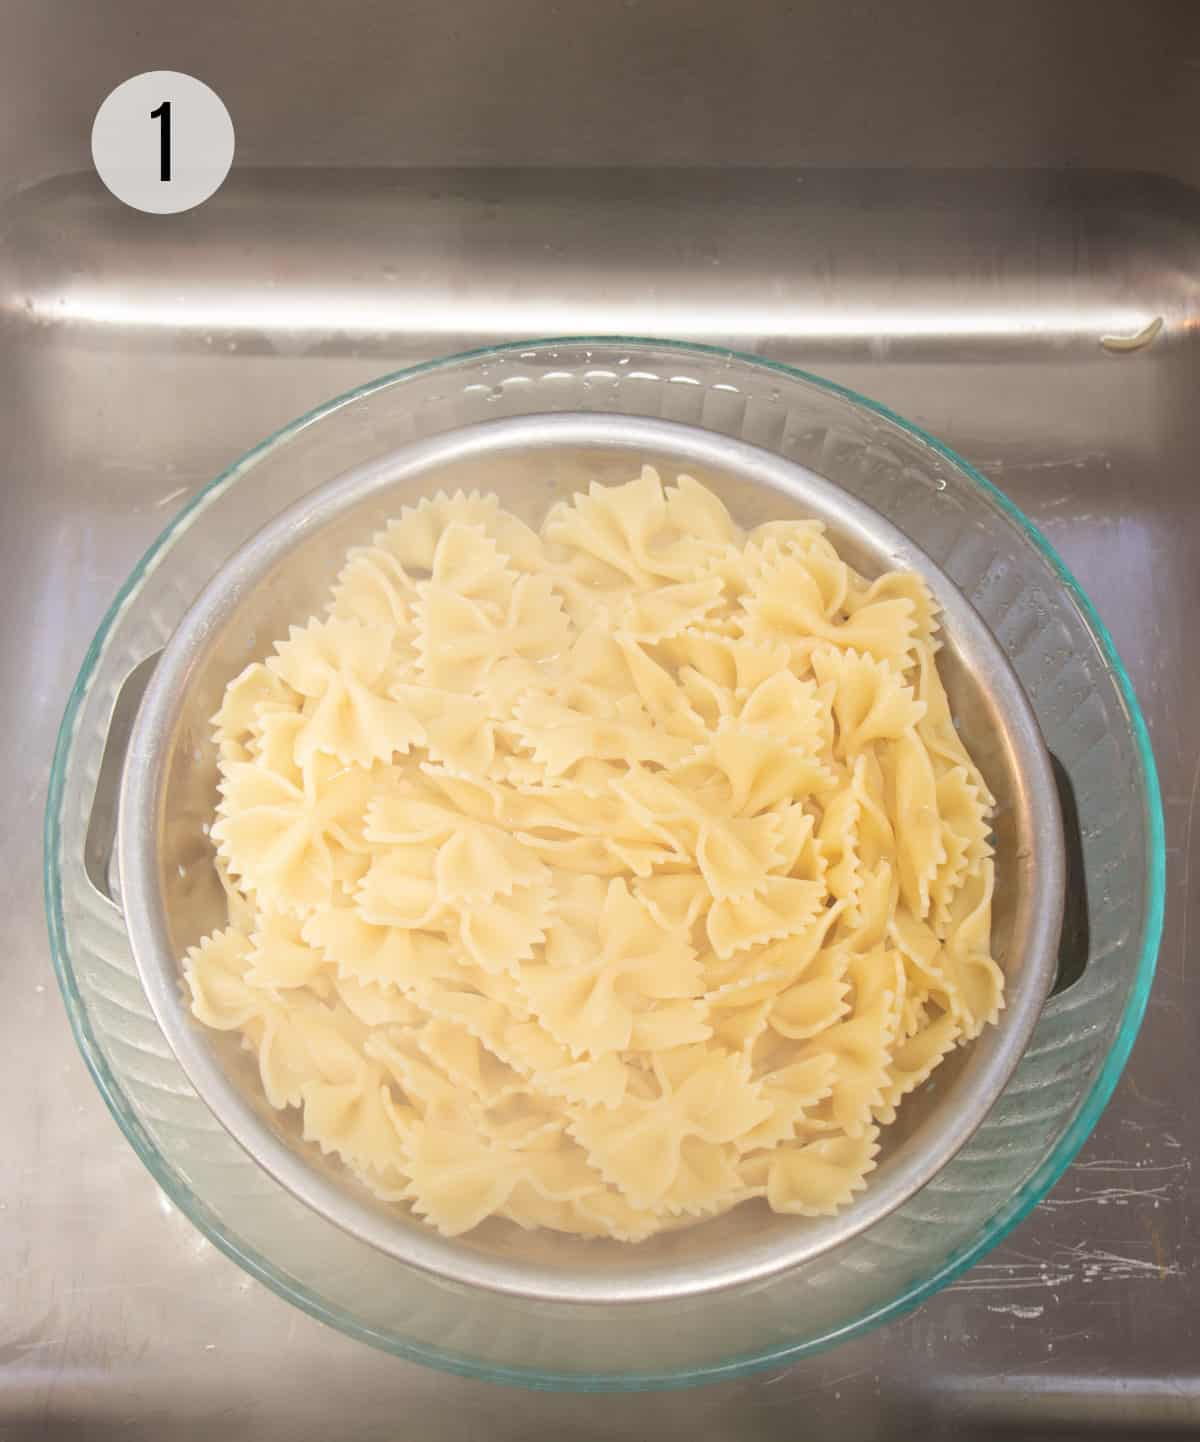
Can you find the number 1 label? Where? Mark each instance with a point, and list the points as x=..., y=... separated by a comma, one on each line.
x=189, y=161
x=163, y=116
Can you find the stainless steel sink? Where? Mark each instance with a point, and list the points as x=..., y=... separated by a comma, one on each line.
x=141, y=354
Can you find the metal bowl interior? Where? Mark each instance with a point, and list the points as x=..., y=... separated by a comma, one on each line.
x=170, y=896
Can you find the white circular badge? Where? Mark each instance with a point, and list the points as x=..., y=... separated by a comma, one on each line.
x=162, y=141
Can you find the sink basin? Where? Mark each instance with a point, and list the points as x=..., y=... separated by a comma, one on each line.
x=1042, y=323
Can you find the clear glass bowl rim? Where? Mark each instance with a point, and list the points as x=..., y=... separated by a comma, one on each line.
x=998, y=1226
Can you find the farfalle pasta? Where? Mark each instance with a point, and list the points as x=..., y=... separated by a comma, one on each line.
x=602, y=878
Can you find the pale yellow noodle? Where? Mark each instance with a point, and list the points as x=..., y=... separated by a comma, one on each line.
x=604, y=878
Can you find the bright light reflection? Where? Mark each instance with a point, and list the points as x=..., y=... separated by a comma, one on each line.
x=357, y=312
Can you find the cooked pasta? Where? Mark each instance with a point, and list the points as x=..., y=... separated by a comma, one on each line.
x=605, y=878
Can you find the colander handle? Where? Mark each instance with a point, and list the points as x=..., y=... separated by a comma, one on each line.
x=1075, y=941
x=100, y=843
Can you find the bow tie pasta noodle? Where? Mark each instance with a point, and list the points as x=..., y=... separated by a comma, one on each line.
x=601, y=878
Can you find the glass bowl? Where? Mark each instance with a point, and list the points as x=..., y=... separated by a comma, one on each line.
x=1084, y=704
